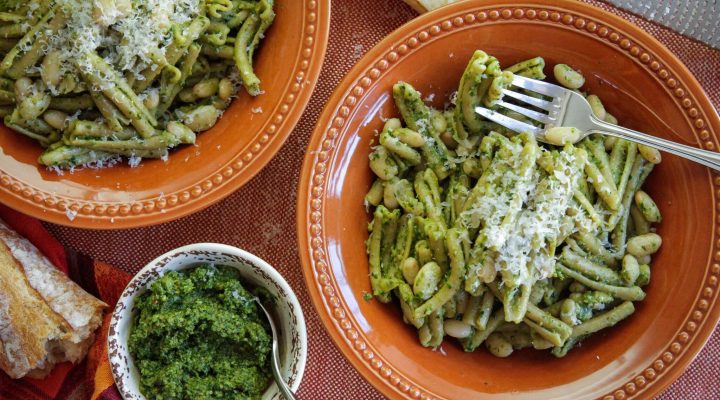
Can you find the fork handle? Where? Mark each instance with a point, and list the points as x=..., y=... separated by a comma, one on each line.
x=709, y=159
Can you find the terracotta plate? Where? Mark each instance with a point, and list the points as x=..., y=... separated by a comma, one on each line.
x=225, y=157
x=641, y=83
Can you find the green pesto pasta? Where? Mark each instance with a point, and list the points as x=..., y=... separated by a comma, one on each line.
x=494, y=239
x=94, y=81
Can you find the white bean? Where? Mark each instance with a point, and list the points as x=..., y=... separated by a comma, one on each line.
x=498, y=345
x=568, y=312
x=389, y=198
x=201, y=118
x=392, y=123
x=520, y=340
x=457, y=329
x=206, y=88
x=186, y=95
x=55, y=118
x=650, y=154
x=375, y=195
x=427, y=280
x=644, y=275
x=409, y=137
x=642, y=226
x=562, y=135
x=225, y=89
x=410, y=268
x=539, y=342
x=181, y=131
x=647, y=207
x=50, y=71
x=382, y=165
x=610, y=119
x=568, y=77
x=644, y=245
x=597, y=107
x=644, y=259
x=424, y=335
x=630, y=269
x=23, y=88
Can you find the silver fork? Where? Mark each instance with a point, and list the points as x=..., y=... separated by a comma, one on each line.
x=569, y=108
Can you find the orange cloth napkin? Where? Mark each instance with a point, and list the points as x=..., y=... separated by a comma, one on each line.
x=92, y=377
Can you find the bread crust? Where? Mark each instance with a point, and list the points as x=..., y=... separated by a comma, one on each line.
x=28, y=326
x=415, y=4
x=45, y=318
x=422, y=6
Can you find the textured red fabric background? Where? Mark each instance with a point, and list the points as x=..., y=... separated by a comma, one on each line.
x=260, y=217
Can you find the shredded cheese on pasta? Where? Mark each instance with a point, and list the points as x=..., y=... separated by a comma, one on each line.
x=544, y=202
x=129, y=37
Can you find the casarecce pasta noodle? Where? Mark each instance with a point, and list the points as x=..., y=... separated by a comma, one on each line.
x=487, y=236
x=95, y=80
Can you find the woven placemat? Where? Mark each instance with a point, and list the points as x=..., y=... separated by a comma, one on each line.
x=260, y=217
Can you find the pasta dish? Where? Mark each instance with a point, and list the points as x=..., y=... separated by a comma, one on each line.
x=93, y=81
x=492, y=238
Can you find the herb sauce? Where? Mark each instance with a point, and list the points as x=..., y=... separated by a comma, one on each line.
x=198, y=334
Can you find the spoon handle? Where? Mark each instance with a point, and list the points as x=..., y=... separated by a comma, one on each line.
x=275, y=359
x=284, y=389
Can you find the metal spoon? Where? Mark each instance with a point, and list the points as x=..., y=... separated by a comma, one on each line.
x=275, y=360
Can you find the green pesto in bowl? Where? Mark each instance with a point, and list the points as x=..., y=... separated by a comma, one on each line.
x=198, y=334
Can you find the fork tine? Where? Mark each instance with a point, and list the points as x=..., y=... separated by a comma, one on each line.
x=510, y=123
x=537, y=116
x=539, y=103
x=548, y=89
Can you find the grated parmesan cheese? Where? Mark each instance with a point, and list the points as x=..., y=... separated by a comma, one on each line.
x=540, y=223
x=539, y=203
x=128, y=35
x=453, y=97
x=357, y=51
x=134, y=161
x=70, y=214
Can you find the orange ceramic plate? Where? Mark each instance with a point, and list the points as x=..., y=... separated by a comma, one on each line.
x=224, y=158
x=640, y=82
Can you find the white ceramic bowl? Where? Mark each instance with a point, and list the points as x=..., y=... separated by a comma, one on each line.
x=253, y=270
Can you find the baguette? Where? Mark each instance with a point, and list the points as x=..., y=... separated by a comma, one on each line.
x=45, y=318
x=422, y=6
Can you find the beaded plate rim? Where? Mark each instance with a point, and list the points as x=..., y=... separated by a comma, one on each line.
x=247, y=163
x=606, y=27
